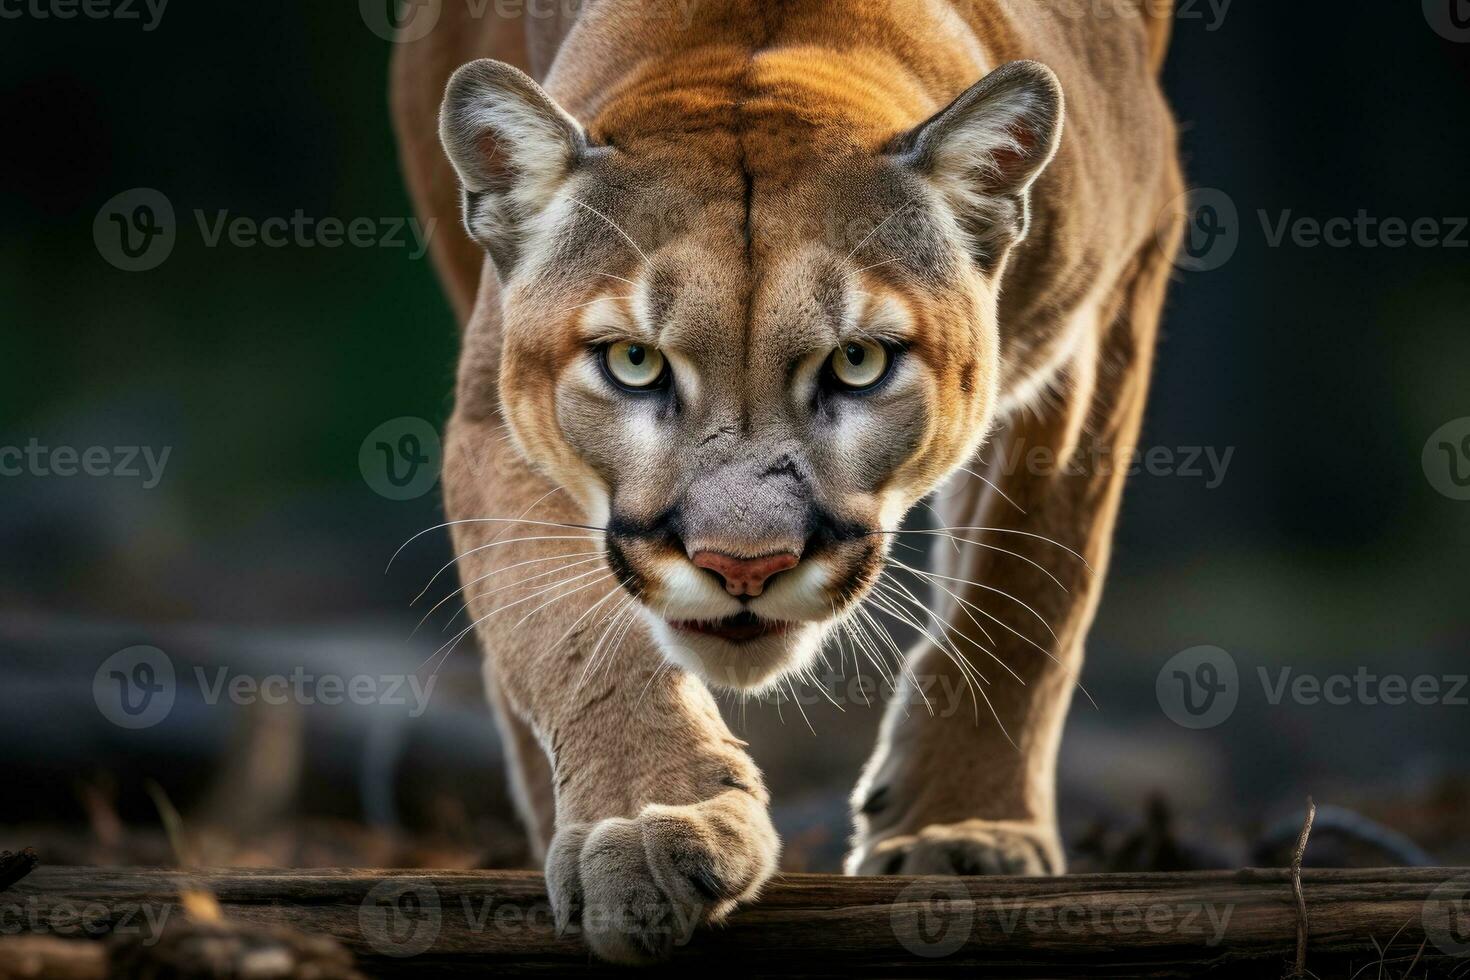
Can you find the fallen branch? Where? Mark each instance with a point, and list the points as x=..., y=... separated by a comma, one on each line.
x=15, y=866
x=417, y=923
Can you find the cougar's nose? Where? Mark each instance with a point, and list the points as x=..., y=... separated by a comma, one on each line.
x=744, y=576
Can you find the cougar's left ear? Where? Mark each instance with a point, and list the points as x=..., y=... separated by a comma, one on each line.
x=513, y=148
x=983, y=151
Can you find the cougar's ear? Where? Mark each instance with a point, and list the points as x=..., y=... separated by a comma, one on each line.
x=513, y=148
x=983, y=151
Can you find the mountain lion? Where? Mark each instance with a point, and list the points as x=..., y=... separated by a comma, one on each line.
x=741, y=283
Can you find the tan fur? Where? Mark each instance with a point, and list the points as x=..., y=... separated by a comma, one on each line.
x=660, y=816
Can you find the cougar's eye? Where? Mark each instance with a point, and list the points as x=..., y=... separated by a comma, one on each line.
x=635, y=366
x=859, y=364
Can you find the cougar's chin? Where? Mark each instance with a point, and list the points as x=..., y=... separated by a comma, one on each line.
x=742, y=652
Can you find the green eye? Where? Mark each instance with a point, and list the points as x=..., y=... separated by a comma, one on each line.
x=634, y=365
x=860, y=364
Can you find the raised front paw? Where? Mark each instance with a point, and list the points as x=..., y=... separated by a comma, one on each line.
x=971, y=847
x=637, y=888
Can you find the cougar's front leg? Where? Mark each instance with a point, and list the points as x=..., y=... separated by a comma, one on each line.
x=971, y=789
x=661, y=818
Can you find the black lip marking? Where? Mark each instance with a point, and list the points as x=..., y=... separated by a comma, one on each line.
x=743, y=627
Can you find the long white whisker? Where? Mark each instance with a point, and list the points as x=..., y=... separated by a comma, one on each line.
x=590, y=302
x=1010, y=530
x=988, y=588
x=603, y=575
x=615, y=227
x=889, y=605
x=512, y=585
x=460, y=635
x=947, y=645
x=498, y=544
x=956, y=539
x=609, y=622
x=490, y=574
x=491, y=520
x=992, y=486
x=878, y=227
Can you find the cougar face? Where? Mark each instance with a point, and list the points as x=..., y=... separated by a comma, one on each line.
x=747, y=341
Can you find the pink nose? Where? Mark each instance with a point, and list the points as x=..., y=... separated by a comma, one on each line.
x=744, y=576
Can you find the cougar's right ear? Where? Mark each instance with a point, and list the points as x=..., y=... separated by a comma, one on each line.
x=513, y=148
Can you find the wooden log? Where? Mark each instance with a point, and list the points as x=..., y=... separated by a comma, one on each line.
x=426, y=923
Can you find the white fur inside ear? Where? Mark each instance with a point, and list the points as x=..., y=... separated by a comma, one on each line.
x=983, y=152
x=989, y=135
x=512, y=146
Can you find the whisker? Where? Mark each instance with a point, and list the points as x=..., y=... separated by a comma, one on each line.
x=481, y=578
x=491, y=520
x=1010, y=530
x=992, y=486
x=609, y=624
x=961, y=662
x=497, y=544
x=988, y=588
x=955, y=539
x=888, y=603
x=791, y=686
x=604, y=577
x=590, y=302
x=896, y=258
x=984, y=632
x=615, y=227
x=919, y=603
x=460, y=635
x=946, y=628
x=878, y=227
x=554, y=571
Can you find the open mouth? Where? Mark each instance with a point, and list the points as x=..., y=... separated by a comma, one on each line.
x=740, y=628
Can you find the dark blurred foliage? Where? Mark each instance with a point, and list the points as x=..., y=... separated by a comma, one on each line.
x=1324, y=548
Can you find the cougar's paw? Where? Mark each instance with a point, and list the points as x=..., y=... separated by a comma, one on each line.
x=972, y=847
x=637, y=888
